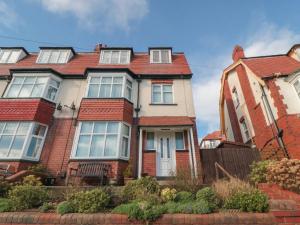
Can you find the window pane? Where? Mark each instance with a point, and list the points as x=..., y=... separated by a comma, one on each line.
x=168, y=98
x=10, y=128
x=116, y=90
x=115, y=57
x=26, y=90
x=167, y=88
x=125, y=130
x=112, y=127
x=1, y=127
x=107, y=80
x=95, y=80
x=39, y=130
x=100, y=127
x=37, y=90
x=105, y=90
x=297, y=87
x=106, y=56
x=93, y=90
x=165, y=56
x=156, y=97
x=155, y=56
x=111, y=145
x=128, y=93
x=156, y=88
x=83, y=146
x=14, y=57
x=54, y=57
x=118, y=80
x=4, y=144
x=53, y=83
x=14, y=90
x=86, y=127
x=4, y=56
x=23, y=128
x=179, y=140
x=18, y=80
x=44, y=58
x=124, y=57
x=150, y=140
x=51, y=93
x=29, y=80
x=124, y=147
x=34, y=147
x=97, y=146
x=63, y=56
x=16, y=148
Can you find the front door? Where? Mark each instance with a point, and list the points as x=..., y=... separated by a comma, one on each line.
x=165, y=155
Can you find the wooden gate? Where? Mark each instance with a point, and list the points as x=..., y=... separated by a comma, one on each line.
x=235, y=161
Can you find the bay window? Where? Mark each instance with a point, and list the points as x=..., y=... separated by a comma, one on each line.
x=21, y=140
x=109, y=87
x=162, y=94
x=33, y=87
x=101, y=139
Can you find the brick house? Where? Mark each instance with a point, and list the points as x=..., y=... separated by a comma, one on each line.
x=212, y=140
x=260, y=102
x=60, y=107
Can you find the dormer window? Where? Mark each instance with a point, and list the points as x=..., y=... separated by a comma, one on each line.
x=160, y=56
x=11, y=55
x=54, y=55
x=115, y=56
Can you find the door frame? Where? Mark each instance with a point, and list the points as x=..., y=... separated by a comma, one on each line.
x=171, y=135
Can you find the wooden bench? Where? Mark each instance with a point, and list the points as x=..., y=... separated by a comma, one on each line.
x=6, y=170
x=90, y=170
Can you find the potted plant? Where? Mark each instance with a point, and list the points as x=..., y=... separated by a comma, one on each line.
x=128, y=173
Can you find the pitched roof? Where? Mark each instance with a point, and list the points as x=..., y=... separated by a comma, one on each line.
x=140, y=64
x=216, y=135
x=165, y=121
x=268, y=66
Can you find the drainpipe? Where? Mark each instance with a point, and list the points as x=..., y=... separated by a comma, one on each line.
x=139, y=131
x=193, y=153
x=278, y=130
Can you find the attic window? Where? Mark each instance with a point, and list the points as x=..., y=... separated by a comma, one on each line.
x=160, y=56
x=10, y=55
x=115, y=56
x=54, y=56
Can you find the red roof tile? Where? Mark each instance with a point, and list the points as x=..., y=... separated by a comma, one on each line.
x=216, y=135
x=270, y=65
x=165, y=121
x=140, y=64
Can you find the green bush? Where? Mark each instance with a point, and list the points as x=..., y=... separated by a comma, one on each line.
x=253, y=201
x=39, y=168
x=47, y=206
x=5, y=205
x=27, y=196
x=65, y=207
x=208, y=194
x=32, y=180
x=4, y=187
x=184, y=196
x=140, y=189
x=90, y=201
x=192, y=207
x=259, y=171
x=124, y=208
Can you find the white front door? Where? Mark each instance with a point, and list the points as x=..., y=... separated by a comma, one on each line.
x=165, y=155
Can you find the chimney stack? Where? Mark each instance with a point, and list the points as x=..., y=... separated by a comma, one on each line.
x=99, y=46
x=238, y=53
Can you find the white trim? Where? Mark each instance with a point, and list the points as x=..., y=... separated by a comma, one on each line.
x=140, y=153
x=190, y=154
x=160, y=56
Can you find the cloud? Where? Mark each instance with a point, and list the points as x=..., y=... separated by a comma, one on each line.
x=108, y=14
x=8, y=17
x=267, y=39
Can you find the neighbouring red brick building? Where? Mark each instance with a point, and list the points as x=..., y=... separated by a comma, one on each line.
x=260, y=102
x=60, y=107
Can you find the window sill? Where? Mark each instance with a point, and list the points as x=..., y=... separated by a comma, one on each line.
x=98, y=159
x=182, y=150
x=24, y=98
x=114, y=98
x=149, y=150
x=18, y=160
x=164, y=104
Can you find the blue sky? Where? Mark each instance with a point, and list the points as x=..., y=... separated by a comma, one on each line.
x=205, y=30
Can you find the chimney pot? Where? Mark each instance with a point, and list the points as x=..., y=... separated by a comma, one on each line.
x=238, y=53
x=99, y=46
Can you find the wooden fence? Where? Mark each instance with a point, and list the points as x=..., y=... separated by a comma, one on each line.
x=235, y=161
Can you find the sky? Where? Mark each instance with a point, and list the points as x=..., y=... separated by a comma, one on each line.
x=206, y=31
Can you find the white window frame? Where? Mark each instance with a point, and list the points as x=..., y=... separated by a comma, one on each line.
x=162, y=94
x=154, y=141
x=101, y=76
x=236, y=97
x=119, y=142
x=293, y=83
x=245, y=129
x=69, y=52
x=45, y=89
x=183, y=139
x=160, y=56
x=7, y=61
x=27, y=141
x=110, y=56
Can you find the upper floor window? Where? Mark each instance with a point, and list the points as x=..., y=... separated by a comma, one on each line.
x=102, y=140
x=115, y=56
x=297, y=87
x=236, y=97
x=245, y=130
x=160, y=56
x=162, y=93
x=10, y=55
x=109, y=87
x=21, y=140
x=54, y=56
x=33, y=87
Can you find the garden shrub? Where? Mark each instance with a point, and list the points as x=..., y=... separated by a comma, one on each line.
x=38, y=168
x=47, y=206
x=141, y=188
x=259, y=171
x=5, y=205
x=184, y=196
x=202, y=207
x=124, y=208
x=65, y=207
x=226, y=188
x=207, y=194
x=28, y=195
x=253, y=201
x=90, y=201
x=4, y=187
x=192, y=207
x=168, y=194
x=285, y=173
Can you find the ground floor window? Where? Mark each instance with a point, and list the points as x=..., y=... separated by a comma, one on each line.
x=21, y=140
x=102, y=139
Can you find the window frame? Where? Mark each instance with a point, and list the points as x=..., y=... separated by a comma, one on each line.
x=183, y=141
x=245, y=129
x=293, y=83
x=162, y=94
x=154, y=141
x=124, y=77
x=68, y=56
x=45, y=88
x=105, y=51
x=119, y=142
x=236, y=97
x=160, y=56
x=27, y=141
x=7, y=61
